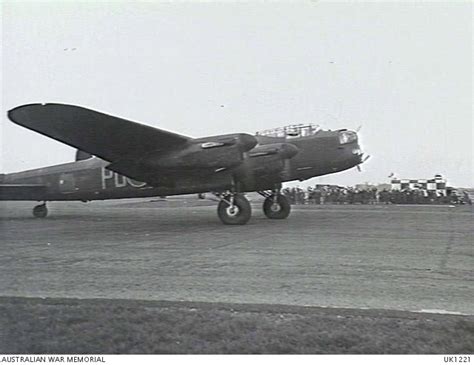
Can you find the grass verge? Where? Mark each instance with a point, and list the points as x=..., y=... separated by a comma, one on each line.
x=34, y=325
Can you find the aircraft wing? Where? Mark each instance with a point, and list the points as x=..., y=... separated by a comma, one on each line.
x=22, y=191
x=102, y=135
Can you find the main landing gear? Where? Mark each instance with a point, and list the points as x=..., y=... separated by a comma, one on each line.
x=40, y=211
x=233, y=209
x=275, y=205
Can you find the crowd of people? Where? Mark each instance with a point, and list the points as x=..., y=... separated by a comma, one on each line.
x=330, y=194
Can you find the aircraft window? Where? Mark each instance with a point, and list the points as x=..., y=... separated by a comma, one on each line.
x=211, y=145
x=347, y=137
x=291, y=131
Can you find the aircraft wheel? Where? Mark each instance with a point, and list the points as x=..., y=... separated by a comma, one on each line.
x=276, y=207
x=40, y=211
x=238, y=213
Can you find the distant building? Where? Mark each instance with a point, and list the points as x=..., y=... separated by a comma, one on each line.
x=365, y=186
x=368, y=186
x=438, y=184
x=328, y=186
x=381, y=187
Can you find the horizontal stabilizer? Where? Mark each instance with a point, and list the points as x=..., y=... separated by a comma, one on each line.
x=22, y=192
x=99, y=134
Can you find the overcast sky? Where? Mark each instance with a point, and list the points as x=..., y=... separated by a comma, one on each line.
x=401, y=70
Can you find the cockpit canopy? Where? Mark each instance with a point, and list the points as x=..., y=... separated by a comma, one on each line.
x=305, y=130
x=291, y=131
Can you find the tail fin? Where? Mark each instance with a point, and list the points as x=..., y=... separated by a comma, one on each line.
x=81, y=155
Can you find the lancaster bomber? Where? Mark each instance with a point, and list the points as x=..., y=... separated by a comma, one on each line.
x=118, y=158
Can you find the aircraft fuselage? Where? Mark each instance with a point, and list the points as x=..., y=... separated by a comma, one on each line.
x=90, y=179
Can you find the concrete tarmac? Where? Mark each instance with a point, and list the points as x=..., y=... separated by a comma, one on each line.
x=388, y=257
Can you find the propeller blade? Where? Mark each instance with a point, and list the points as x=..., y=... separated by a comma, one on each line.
x=358, y=168
x=286, y=172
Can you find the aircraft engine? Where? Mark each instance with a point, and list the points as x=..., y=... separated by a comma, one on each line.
x=215, y=152
x=266, y=162
x=282, y=150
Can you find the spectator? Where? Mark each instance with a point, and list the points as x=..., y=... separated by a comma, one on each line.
x=326, y=194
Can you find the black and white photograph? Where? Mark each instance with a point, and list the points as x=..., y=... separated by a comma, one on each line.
x=236, y=177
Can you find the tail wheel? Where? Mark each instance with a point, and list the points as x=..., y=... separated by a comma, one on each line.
x=236, y=212
x=276, y=207
x=40, y=211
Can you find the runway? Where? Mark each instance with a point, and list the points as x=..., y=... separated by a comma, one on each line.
x=417, y=258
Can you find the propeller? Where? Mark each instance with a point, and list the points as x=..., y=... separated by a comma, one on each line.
x=362, y=161
x=363, y=157
x=286, y=172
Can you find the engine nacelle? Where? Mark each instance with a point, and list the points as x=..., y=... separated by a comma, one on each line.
x=282, y=150
x=213, y=152
x=266, y=163
x=196, y=157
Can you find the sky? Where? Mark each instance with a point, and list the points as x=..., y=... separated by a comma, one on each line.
x=400, y=71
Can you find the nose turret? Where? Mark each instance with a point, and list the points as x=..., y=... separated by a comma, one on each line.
x=357, y=152
x=349, y=141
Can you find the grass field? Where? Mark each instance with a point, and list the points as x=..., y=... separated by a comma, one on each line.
x=33, y=325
